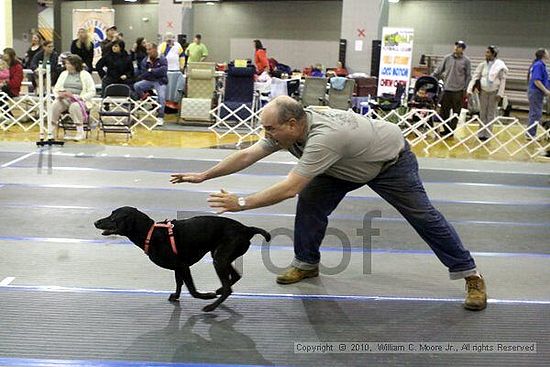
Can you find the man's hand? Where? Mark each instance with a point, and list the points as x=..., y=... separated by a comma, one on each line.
x=224, y=201
x=187, y=177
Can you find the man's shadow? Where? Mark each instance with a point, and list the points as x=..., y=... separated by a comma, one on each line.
x=204, y=338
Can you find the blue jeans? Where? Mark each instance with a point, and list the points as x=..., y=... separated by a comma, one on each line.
x=399, y=185
x=145, y=85
x=536, y=98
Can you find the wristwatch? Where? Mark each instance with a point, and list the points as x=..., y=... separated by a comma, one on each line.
x=242, y=202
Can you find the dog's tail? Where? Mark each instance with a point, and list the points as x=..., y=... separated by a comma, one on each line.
x=263, y=232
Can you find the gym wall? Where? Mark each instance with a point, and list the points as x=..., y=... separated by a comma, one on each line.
x=517, y=27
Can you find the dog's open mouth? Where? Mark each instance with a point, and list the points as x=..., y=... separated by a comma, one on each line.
x=108, y=232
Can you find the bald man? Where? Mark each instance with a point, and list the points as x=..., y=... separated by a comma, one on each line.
x=340, y=151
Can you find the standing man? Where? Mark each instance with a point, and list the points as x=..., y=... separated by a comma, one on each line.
x=196, y=51
x=106, y=46
x=455, y=71
x=154, y=77
x=490, y=81
x=539, y=86
x=340, y=151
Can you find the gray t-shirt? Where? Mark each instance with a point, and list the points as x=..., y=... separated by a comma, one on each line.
x=344, y=145
x=73, y=83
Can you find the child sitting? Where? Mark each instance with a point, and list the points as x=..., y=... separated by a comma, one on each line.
x=4, y=73
x=423, y=99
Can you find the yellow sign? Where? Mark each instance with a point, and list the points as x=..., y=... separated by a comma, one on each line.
x=239, y=63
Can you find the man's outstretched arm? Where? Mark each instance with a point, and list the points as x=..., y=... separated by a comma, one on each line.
x=231, y=164
x=286, y=189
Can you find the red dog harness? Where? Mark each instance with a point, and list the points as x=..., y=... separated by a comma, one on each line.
x=165, y=224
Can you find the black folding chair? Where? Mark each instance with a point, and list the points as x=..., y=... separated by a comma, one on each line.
x=115, y=115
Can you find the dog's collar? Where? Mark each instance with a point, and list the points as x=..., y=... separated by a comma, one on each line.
x=165, y=224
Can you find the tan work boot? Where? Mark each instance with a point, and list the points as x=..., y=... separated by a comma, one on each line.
x=476, y=297
x=294, y=275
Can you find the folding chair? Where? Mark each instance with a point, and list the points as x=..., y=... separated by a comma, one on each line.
x=341, y=99
x=293, y=88
x=115, y=115
x=239, y=98
x=238, y=106
x=201, y=84
x=66, y=123
x=314, y=92
x=278, y=87
x=388, y=102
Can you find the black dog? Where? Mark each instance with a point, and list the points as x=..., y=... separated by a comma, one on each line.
x=226, y=239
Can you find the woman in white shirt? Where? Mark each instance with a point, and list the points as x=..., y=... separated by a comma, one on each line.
x=74, y=91
x=172, y=50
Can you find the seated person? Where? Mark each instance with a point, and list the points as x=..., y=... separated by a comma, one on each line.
x=4, y=73
x=47, y=54
x=4, y=80
x=11, y=76
x=74, y=88
x=423, y=99
x=331, y=74
x=154, y=76
x=340, y=69
x=116, y=66
x=317, y=71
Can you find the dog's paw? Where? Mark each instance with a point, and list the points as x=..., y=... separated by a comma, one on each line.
x=210, y=307
x=174, y=298
x=209, y=295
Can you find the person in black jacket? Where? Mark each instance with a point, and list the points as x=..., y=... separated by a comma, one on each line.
x=46, y=54
x=34, y=48
x=139, y=52
x=84, y=47
x=106, y=44
x=116, y=66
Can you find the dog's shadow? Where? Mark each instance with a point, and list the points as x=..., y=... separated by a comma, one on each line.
x=203, y=338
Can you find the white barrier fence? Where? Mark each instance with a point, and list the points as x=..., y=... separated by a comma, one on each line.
x=422, y=128
x=507, y=134
x=24, y=112
x=230, y=121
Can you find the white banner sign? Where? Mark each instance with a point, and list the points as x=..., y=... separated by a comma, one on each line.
x=395, y=59
x=95, y=21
